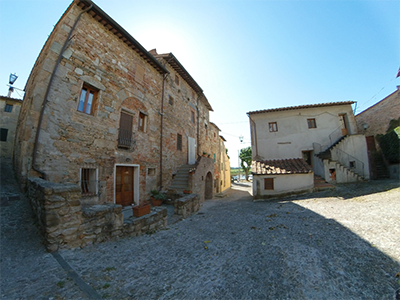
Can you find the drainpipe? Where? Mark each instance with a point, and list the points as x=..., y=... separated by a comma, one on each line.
x=34, y=156
x=198, y=125
x=255, y=134
x=161, y=129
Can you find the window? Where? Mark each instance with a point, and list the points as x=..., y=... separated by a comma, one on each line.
x=273, y=127
x=352, y=164
x=311, y=123
x=192, y=116
x=125, y=130
x=171, y=100
x=88, y=182
x=179, y=142
x=8, y=108
x=151, y=171
x=205, y=126
x=142, y=122
x=3, y=134
x=268, y=183
x=87, y=100
x=177, y=79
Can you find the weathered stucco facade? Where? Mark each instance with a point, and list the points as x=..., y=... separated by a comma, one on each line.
x=9, y=111
x=103, y=113
x=323, y=135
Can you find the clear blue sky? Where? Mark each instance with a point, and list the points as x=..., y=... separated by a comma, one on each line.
x=246, y=55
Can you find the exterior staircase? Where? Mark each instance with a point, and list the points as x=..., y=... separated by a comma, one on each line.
x=321, y=185
x=327, y=153
x=380, y=169
x=181, y=179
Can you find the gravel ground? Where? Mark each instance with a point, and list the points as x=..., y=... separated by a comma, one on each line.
x=341, y=244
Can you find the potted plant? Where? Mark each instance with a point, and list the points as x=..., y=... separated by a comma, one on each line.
x=141, y=210
x=204, y=154
x=187, y=191
x=158, y=199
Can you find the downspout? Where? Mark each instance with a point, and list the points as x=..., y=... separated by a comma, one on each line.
x=161, y=129
x=255, y=134
x=162, y=122
x=34, y=156
x=198, y=126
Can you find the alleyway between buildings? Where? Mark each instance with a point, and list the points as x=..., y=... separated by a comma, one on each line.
x=340, y=244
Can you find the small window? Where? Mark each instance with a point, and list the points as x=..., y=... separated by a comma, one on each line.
x=171, y=100
x=125, y=130
x=268, y=183
x=352, y=164
x=142, y=122
x=206, y=128
x=87, y=100
x=215, y=158
x=311, y=123
x=192, y=116
x=273, y=127
x=179, y=142
x=8, y=108
x=88, y=182
x=151, y=171
x=177, y=79
x=3, y=134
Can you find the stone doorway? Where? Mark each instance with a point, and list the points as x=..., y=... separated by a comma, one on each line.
x=126, y=185
x=208, y=191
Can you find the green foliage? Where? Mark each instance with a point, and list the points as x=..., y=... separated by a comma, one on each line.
x=245, y=160
x=393, y=124
x=160, y=196
x=390, y=145
x=61, y=284
x=227, y=153
x=154, y=192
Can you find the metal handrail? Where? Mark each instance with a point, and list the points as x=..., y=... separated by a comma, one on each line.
x=335, y=135
x=349, y=161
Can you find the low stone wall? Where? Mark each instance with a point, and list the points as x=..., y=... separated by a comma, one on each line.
x=187, y=205
x=66, y=224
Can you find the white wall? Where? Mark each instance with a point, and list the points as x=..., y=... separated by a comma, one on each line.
x=356, y=146
x=293, y=135
x=283, y=184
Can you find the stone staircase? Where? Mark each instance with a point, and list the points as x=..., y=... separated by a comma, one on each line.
x=327, y=153
x=181, y=179
x=321, y=185
x=351, y=175
x=380, y=168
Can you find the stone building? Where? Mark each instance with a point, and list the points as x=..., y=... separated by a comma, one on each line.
x=103, y=113
x=9, y=111
x=373, y=121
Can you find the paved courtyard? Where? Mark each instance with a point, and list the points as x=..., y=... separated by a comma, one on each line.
x=342, y=244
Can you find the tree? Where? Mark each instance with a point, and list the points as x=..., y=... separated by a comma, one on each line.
x=245, y=160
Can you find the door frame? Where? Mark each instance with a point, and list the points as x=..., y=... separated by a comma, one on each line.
x=136, y=172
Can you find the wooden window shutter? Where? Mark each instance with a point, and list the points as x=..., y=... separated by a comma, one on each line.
x=268, y=183
x=125, y=130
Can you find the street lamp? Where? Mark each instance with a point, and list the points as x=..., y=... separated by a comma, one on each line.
x=11, y=80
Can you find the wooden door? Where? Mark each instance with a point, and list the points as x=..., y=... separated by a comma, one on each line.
x=343, y=121
x=124, y=185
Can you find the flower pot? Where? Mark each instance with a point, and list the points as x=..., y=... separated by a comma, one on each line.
x=156, y=202
x=187, y=191
x=142, y=210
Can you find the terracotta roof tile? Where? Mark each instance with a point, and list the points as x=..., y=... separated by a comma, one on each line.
x=280, y=166
x=300, y=107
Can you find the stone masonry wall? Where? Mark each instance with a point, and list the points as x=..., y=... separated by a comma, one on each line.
x=378, y=116
x=66, y=224
x=187, y=205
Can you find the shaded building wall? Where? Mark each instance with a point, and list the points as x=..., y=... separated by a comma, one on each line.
x=8, y=124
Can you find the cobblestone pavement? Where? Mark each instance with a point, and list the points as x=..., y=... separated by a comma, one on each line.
x=341, y=244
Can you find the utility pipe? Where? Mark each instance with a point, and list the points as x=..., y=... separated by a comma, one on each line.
x=34, y=156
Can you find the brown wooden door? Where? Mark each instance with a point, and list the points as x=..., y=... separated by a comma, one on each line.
x=343, y=121
x=124, y=186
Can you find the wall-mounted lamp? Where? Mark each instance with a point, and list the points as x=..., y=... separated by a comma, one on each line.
x=241, y=138
x=11, y=80
x=365, y=126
